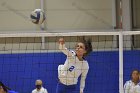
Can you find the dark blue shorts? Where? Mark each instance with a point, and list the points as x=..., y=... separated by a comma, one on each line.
x=61, y=88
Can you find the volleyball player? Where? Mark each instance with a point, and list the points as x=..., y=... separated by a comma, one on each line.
x=74, y=67
x=131, y=85
x=138, y=86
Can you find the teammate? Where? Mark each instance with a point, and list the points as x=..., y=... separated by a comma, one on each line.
x=132, y=85
x=39, y=87
x=74, y=67
x=138, y=86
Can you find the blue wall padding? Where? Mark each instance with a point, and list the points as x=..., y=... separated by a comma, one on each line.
x=19, y=71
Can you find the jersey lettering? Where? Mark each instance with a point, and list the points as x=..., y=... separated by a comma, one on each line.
x=71, y=68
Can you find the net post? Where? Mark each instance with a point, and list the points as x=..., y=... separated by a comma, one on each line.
x=121, y=62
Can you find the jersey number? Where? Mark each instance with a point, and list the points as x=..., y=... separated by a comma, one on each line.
x=71, y=68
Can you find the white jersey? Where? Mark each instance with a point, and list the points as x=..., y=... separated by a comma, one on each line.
x=69, y=72
x=42, y=90
x=138, y=88
x=130, y=87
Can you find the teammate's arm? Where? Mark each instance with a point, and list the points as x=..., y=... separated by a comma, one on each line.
x=63, y=48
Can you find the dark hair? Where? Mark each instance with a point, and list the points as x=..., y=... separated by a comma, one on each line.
x=5, y=88
x=88, y=45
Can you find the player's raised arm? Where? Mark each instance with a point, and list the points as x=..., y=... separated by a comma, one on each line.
x=63, y=48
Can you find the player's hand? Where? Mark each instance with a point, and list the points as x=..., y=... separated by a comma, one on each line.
x=61, y=41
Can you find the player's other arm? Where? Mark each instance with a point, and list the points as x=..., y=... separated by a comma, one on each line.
x=126, y=87
x=63, y=48
x=83, y=79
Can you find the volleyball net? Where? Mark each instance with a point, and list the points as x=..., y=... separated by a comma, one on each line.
x=25, y=57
